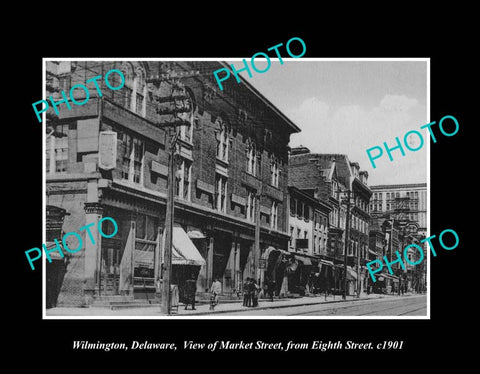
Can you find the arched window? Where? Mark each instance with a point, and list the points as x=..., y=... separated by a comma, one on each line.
x=134, y=91
x=140, y=89
x=223, y=139
x=126, y=91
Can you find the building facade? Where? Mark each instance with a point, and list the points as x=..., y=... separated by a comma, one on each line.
x=109, y=158
x=407, y=201
x=332, y=178
x=308, y=228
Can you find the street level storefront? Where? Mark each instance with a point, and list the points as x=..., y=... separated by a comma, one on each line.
x=386, y=283
x=56, y=268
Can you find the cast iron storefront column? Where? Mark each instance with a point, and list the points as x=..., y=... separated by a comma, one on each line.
x=93, y=214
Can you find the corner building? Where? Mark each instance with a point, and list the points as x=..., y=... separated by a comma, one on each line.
x=109, y=157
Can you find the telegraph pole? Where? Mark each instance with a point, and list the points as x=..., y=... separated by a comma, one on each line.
x=167, y=254
x=347, y=240
x=173, y=109
x=359, y=281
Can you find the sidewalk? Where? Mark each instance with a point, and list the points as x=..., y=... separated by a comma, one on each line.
x=204, y=309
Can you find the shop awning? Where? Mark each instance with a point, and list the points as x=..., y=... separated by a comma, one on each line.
x=184, y=251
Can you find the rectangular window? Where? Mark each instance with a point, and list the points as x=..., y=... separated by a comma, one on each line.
x=185, y=131
x=223, y=144
x=274, y=173
x=274, y=215
x=293, y=207
x=182, y=180
x=251, y=159
x=138, y=151
x=250, y=211
x=299, y=209
x=133, y=150
x=306, y=212
x=57, y=150
x=221, y=194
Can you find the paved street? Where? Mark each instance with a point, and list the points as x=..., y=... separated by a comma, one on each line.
x=408, y=306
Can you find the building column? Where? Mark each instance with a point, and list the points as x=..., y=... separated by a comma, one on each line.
x=238, y=273
x=209, y=263
x=92, y=268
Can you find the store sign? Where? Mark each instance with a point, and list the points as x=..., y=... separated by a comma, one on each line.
x=107, y=155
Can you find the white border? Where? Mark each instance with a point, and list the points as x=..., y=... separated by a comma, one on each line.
x=226, y=316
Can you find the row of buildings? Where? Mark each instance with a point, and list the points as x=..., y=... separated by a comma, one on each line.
x=246, y=205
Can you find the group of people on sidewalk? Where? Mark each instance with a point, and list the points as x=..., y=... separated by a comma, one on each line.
x=250, y=293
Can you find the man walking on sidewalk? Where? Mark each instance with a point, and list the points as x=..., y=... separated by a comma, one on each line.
x=216, y=289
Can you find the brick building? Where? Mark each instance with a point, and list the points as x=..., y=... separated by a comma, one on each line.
x=407, y=201
x=109, y=157
x=328, y=177
x=308, y=227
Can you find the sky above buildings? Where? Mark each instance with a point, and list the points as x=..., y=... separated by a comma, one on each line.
x=350, y=106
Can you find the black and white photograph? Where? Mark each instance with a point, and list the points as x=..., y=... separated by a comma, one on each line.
x=204, y=198
x=246, y=188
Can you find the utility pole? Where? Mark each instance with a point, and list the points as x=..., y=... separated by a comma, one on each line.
x=359, y=281
x=256, y=261
x=347, y=240
x=175, y=106
x=167, y=254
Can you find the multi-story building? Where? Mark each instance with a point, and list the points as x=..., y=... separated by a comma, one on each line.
x=329, y=177
x=109, y=157
x=308, y=227
x=408, y=202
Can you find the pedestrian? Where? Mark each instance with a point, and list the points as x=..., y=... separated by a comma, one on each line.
x=215, y=290
x=272, y=289
x=255, y=291
x=190, y=291
x=250, y=292
x=246, y=286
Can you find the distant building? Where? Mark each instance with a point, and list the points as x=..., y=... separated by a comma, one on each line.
x=408, y=202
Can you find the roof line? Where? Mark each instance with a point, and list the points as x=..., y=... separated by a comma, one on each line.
x=267, y=102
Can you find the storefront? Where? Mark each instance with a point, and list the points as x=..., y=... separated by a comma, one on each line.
x=386, y=283
x=186, y=260
x=55, y=270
